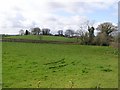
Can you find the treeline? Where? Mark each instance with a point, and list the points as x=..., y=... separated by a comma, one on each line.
x=35, y=31
x=107, y=33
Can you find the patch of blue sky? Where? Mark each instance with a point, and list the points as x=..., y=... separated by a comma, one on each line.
x=104, y=15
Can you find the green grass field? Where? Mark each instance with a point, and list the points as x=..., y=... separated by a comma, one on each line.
x=0, y=64
x=45, y=37
x=29, y=65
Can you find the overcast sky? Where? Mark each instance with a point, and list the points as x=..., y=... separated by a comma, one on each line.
x=54, y=14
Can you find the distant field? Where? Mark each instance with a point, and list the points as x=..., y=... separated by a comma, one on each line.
x=28, y=65
x=44, y=37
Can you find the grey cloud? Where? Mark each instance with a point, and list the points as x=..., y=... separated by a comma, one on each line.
x=55, y=5
x=17, y=9
x=33, y=24
x=79, y=7
x=51, y=19
x=71, y=7
x=16, y=21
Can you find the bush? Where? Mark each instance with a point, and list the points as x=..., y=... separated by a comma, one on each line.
x=101, y=39
x=84, y=39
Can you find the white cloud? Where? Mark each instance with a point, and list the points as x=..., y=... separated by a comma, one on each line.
x=55, y=14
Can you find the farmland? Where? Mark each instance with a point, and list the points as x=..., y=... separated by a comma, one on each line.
x=30, y=65
x=0, y=64
x=44, y=37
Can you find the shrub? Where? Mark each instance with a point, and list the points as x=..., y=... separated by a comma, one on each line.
x=101, y=39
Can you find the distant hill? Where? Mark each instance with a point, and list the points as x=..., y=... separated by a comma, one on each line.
x=44, y=37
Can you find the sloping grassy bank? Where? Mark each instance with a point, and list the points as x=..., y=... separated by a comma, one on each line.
x=29, y=65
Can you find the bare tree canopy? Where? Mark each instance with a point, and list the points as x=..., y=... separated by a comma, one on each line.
x=45, y=31
x=69, y=33
x=106, y=27
x=60, y=32
x=21, y=32
x=35, y=31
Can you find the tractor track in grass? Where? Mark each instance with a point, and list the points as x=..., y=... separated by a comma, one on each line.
x=35, y=41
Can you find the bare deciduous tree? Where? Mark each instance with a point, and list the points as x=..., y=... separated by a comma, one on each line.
x=35, y=31
x=80, y=33
x=69, y=33
x=45, y=31
x=104, y=37
x=60, y=32
x=106, y=27
x=21, y=32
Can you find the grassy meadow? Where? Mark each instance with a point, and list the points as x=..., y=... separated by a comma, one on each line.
x=0, y=64
x=44, y=37
x=30, y=65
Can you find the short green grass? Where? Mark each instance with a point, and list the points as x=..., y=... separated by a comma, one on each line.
x=29, y=65
x=45, y=37
x=0, y=64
